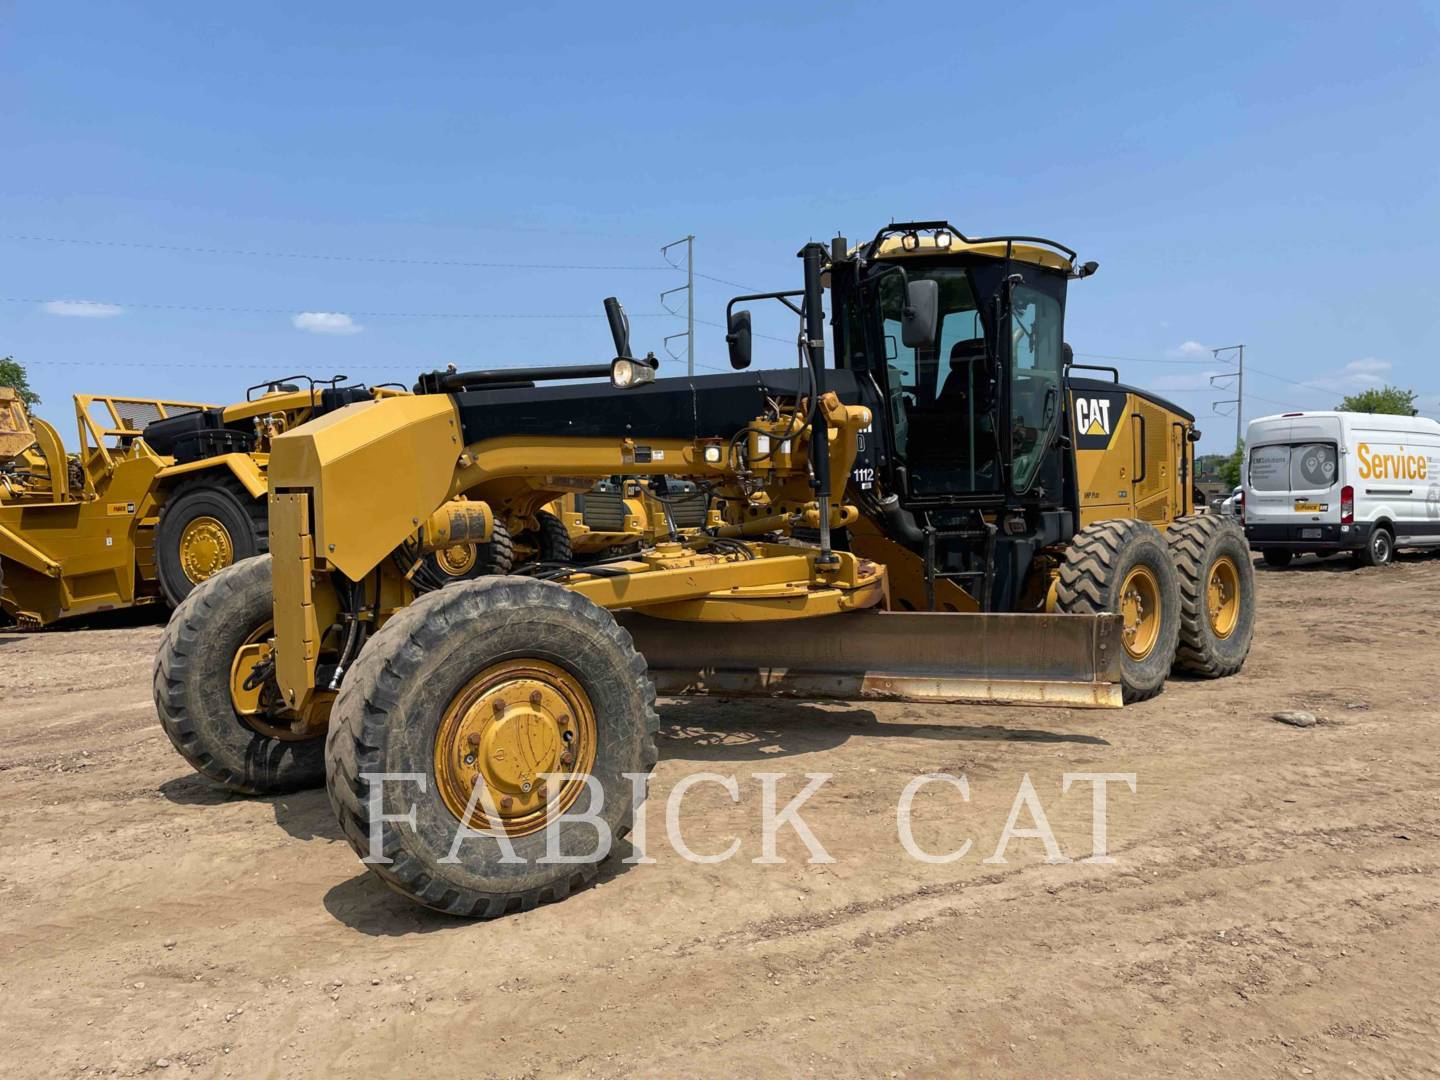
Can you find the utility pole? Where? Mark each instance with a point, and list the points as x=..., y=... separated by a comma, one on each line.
x=1239, y=376
x=689, y=290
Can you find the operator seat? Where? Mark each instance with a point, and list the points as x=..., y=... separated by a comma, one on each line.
x=940, y=434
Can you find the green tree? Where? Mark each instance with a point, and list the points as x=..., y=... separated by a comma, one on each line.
x=1230, y=468
x=1388, y=399
x=12, y=374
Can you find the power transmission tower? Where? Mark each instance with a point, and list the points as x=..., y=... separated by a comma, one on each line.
x=689, y=289
x=1239, y=376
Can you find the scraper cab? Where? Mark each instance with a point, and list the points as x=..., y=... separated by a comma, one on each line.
x=527, y=700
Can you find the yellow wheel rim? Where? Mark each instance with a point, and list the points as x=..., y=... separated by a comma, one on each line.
x=505, y=729
x=205, y=549
x=1140, y=611
x=458, y=559
x=255, y=707
x=1222, y=596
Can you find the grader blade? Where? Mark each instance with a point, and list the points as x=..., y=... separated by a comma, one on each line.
x=1065, y=660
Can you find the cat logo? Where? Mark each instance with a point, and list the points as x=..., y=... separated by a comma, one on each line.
x=1092, y=416
x=1096, y=415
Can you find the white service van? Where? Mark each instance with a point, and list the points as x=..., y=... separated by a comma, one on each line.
x=1337, y=481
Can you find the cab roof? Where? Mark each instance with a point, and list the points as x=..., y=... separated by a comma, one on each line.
x=891, y=247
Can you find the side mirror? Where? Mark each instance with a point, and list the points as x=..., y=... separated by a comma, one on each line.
x=1067, y=354
x=737, y=336
x=619, y=325
x=920, y=321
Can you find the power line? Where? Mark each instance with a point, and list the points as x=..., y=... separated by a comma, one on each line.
x=298, y=309
x=258, y=253
x=1138, y=359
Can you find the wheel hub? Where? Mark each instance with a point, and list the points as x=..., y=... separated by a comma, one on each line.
x=456, y=560
x=1222, y=596
x=205, y=549
x=504, y=730
x=1140, y=612
x=256, y=698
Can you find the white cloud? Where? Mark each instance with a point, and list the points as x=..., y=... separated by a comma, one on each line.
x=1190, y=350
x=1369, y=368
x=326, y=322
x=81, y=309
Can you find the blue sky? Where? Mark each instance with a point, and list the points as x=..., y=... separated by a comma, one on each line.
x=1257, y=173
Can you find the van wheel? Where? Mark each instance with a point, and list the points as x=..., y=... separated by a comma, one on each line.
x=1123, y=566
x=1277, y=557
x=1379, y=550
x=1217, y=595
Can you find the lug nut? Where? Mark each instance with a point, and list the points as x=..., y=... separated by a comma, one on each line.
x=535, y=699
x=506, y=803
x=473, y=740
x=499, y=706
x=567, y=758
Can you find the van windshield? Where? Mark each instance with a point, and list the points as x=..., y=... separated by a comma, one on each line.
x=1311, y=466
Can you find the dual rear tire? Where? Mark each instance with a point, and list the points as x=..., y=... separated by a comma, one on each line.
x=1185, y=598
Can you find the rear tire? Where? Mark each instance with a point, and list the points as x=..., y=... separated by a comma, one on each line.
x=192, y=688
x=1217, y=595
x=419, y=700
x=552, y=539
x=1277, y=557
x=1379, y=550
x=1123, y=566
x=206, y=524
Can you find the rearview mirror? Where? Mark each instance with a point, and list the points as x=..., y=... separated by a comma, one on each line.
x=920, y=320
x=737, y=336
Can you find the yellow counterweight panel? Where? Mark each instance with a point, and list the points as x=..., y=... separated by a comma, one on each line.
x=378, y=470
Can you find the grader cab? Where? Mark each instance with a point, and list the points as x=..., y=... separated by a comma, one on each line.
x=945, y=514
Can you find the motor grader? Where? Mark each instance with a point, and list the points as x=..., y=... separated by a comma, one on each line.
x=985, y=525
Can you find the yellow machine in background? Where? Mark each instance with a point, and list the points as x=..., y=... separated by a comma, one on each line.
x=159, y=496
x=77, y=532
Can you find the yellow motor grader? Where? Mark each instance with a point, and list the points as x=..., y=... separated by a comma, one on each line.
x=983, y=523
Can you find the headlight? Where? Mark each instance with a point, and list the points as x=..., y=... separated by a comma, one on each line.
x=625, y=373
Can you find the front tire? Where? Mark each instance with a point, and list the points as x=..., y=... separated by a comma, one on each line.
x=1123, y=566
x=1217, y=595
x=193, y=696
x=481, y=688
x=206, y=524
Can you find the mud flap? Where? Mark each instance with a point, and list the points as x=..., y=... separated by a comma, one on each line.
x=1066, y=660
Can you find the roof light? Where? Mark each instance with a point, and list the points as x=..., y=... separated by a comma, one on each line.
x=625, y=373
x=910, y=241
x=942, y=240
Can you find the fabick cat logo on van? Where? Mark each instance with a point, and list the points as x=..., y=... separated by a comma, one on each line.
x=1096, y=417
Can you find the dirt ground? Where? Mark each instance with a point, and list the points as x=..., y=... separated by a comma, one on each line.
x=1273, y=909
